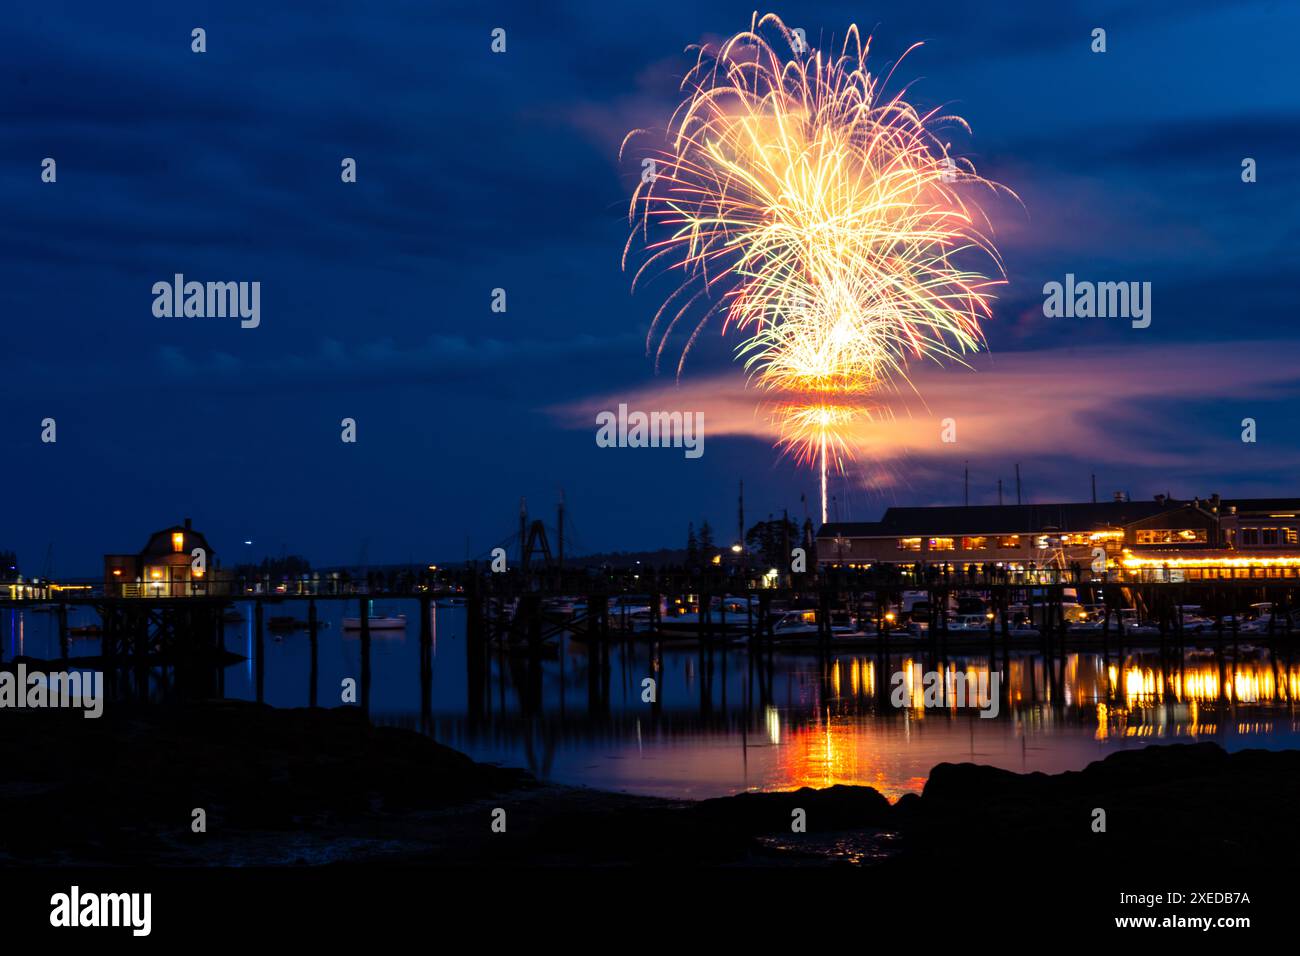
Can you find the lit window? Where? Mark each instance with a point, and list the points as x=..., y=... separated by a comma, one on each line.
x=178, y=542
x=1009, y=541
x=1172, y=536
x=909, y=544
x=979, y=543
x=941, y=544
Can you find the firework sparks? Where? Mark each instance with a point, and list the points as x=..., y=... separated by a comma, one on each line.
x=821, y=219
x=816, y=432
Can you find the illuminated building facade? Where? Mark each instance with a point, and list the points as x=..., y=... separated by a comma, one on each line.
x=176, y=562
x=1210, y=533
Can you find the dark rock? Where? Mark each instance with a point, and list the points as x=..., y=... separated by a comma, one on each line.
x=309, y=786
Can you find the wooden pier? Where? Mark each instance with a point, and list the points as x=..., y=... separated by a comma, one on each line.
x=508, y=616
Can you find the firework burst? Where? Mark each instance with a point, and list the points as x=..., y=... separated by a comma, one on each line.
x=823, y=220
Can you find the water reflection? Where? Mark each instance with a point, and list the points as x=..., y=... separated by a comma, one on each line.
x=728, y=720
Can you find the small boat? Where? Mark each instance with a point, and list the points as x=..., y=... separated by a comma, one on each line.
x=1260, y=618
x=450, y=602
x=393, y=622
x=1139, y=630
x=641, y=622
x=86, y=630
x=558, y=607
x=795, y=624
x=631, y=613
x=1133, y=627
x=729, y=620
x=969, y=623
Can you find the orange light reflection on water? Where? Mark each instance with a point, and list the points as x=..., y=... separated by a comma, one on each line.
x=1110, y=703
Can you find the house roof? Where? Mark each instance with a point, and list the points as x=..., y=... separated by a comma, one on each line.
x=1033, y=519
x=1286, y=505
x=1001, y=519
x=160, y=542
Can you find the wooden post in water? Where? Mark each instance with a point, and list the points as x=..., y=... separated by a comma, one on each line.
x=934, y=635
x=475, y=653
x=313, y=627
x=593, y=654
x=1179, y=634
x=63, y=631
x=140, y=651
x=365, y=653
x=880, y=622
x=108, y=640
x=1163, y=624
x=531, y=606
x=1105, y=635
x=259, y=652
x=1005, y=595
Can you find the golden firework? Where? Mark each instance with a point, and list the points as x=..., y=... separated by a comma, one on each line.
x=824, y=220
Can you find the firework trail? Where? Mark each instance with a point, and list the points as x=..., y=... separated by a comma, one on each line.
x=821, y=219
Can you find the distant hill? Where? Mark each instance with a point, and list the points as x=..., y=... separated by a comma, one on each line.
x=663, y=557
x=626, y=559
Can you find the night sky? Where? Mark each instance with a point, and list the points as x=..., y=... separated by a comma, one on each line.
x=478, y=171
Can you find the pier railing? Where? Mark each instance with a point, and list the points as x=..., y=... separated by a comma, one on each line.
x=642, y=580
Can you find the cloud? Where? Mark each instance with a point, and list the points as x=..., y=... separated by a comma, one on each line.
x=1115, y=404
x=380, y=360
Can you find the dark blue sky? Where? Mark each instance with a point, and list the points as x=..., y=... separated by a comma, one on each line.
x=479, y=171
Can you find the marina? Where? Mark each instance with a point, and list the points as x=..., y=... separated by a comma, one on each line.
x=751, y=690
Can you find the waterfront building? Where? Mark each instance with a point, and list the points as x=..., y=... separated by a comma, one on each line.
x=176, y=562
x=1182, y=539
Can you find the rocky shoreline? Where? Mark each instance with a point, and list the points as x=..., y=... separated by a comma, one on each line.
x=295, y=787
